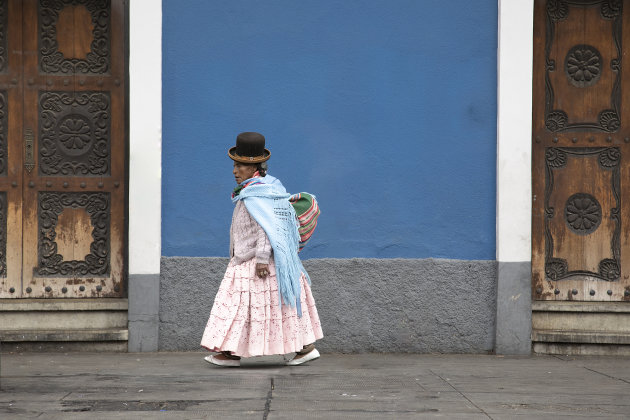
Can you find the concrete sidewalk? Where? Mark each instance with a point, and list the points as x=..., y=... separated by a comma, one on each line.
x=366, y=386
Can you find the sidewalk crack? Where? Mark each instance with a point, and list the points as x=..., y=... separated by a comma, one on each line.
x=268, y=402
x=606, y=375
x=461, y=393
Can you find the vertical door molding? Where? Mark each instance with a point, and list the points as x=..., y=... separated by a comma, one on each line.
x=11, y=147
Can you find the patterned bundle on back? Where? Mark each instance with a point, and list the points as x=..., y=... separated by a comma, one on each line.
x=307, y=212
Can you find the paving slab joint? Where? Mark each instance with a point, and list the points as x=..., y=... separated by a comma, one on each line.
x=268, y=401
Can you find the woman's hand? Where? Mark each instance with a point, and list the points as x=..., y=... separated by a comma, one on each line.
x=262, y=270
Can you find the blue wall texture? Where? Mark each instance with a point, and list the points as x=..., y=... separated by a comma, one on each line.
x=386, y=110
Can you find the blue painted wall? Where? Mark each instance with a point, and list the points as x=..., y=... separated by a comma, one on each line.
x=386, y=110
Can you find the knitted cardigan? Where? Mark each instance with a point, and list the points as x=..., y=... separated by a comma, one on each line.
x=268, y=203
x=247, y=239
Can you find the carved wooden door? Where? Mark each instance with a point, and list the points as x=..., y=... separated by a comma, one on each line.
x=63, y=128
x=581, y=151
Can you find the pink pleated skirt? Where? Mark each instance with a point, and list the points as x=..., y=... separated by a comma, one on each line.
x=248, y=320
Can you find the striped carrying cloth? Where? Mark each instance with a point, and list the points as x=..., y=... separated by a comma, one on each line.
x=307, y=212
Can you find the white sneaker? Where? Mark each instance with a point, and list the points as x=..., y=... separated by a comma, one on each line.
x=298, y=360
x=222, y=362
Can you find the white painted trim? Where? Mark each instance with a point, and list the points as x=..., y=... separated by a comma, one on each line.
x=514, y=125
x=145, y=136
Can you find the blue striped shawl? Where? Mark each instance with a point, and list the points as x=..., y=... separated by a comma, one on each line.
x=268, y=203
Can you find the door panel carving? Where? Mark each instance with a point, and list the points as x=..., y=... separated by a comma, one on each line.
x=595, y=65
x=74, y=133
x=581, y=149
x=74, y=36
x=582, y=214
x=52, y=206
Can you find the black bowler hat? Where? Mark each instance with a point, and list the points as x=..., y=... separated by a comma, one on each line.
x=250, y=148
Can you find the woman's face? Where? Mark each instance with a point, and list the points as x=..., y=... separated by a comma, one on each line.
x=243, y=171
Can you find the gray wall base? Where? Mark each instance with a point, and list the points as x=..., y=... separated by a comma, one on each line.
x=365, y=305
x=514, y=308
x=144, y=301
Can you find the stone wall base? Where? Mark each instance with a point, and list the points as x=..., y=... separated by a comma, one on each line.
x=365, y=305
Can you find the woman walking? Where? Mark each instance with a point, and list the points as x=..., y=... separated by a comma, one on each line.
x=264, y=305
